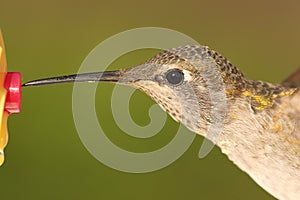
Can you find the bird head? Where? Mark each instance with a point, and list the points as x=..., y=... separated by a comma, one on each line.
x=187, y=82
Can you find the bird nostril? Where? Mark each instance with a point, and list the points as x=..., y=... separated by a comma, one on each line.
x=159, y=79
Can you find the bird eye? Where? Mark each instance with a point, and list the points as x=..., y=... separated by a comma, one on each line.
x=175, y=76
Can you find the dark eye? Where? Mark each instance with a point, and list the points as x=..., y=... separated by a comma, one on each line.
x=175, y=76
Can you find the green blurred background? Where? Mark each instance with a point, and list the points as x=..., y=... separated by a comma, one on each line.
x=45, y=158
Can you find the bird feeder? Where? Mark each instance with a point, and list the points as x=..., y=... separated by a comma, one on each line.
x=10, y=97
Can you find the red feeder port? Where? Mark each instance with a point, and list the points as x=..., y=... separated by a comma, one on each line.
x=13, y=86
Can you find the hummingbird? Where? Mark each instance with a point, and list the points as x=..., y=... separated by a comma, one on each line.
x=260, y=130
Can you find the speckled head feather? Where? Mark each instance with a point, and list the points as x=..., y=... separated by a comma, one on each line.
x=186, y=54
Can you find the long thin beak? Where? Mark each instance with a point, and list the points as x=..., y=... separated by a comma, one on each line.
x=109, y=76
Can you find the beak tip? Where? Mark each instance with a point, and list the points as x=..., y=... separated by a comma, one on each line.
x=31, y=83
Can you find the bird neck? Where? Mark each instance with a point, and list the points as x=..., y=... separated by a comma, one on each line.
x=262, y=95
